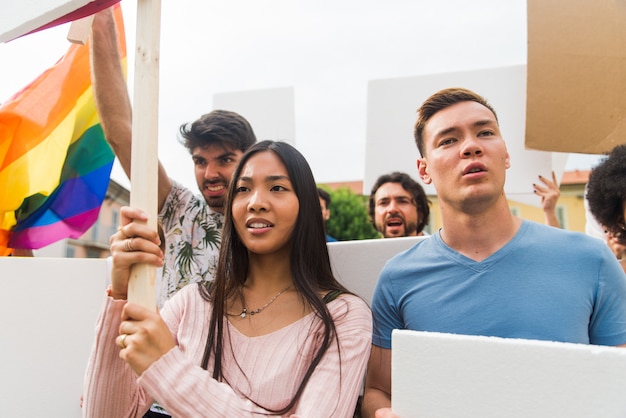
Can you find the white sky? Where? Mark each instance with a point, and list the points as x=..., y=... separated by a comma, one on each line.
x=326, y=50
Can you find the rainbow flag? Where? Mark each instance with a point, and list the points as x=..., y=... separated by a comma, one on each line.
x=55, y=162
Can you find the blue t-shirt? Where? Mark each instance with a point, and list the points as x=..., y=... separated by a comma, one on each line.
x=544, y=284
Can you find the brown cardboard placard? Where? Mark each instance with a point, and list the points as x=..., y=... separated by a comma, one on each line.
x=576, y=75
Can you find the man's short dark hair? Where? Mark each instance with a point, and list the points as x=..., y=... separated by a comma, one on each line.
x=218, y=127
x=325, y=196
x=439, y=101
x=415, y=190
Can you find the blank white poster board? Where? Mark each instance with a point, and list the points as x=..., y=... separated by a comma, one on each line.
x=50, y=307
x=49, y=310
x=271, y=112
x=391, y=114
x=357, y=264
x=445, y=375
x=23, y=16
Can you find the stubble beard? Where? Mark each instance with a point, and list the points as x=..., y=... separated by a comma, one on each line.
x=407, y=230
x=216, y=203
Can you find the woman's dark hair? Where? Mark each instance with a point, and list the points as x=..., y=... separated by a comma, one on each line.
x=606, y=192
x=310, y=264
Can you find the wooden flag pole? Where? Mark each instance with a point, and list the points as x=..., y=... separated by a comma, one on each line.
x=79, y=30
x=144, y=160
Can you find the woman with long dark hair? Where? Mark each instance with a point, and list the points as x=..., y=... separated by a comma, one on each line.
x=274, y=334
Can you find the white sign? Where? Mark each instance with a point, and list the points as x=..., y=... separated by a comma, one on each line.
x=21, y=17
x=446, y=375
x=270, y=112
x=391, y=114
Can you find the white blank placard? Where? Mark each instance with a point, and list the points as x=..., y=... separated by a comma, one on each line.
x=23, y=16
x=446, y=375
x=357, y=264
x=49, y=310
x=391, y=114
x=271, y=112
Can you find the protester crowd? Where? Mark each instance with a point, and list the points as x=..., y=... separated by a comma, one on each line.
x=252, y=321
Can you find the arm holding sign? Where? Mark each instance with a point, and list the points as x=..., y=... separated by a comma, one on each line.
x=129, y=337
x=377, y=393
x=112, y=99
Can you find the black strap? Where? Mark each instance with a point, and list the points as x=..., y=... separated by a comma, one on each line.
x=154, y=414
x=332, y=295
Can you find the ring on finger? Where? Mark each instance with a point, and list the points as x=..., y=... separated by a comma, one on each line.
x=128, y=245
x=122, y=343
x=121, y=229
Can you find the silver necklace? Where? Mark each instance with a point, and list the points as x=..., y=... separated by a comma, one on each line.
x=244, y=308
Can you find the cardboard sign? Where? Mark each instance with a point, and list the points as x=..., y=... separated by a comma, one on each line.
x=576, y=86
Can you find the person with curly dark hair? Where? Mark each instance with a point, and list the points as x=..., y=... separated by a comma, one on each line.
x=606, y=196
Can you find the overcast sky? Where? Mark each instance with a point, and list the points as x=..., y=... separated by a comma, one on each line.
x=326, y=50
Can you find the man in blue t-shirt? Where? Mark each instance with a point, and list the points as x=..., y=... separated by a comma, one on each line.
x=487, y=272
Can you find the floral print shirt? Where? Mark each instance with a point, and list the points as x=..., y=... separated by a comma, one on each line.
x=193, y=233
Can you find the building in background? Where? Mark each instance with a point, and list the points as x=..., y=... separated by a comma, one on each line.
x=95, y=242
x=570, y=209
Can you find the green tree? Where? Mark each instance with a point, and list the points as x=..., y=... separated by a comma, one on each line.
x=348, y=216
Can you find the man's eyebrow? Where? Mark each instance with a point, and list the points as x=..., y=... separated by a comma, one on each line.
x=477, y=124
x=445, y=131
x=484, y=122
x=226, y=154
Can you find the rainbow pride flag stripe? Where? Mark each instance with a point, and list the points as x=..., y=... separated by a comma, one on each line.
x=55, y=162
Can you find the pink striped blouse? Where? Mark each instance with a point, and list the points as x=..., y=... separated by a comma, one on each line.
x=264, y=369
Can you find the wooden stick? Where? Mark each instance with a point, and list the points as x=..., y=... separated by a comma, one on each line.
x=79, y=30
x=144, y=160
